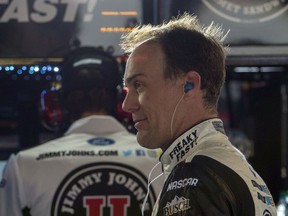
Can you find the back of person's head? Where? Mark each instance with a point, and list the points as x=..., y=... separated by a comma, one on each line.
x=90, y=78
x=187, y=45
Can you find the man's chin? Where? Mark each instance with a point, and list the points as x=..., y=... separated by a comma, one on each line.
x=143, y=140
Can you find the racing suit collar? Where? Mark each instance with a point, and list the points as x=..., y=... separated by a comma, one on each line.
x=96, y=124
x=188, y=143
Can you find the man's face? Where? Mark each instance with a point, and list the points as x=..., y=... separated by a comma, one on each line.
x=151, y=98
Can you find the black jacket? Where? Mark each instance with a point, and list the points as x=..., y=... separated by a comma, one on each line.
x=206, y=175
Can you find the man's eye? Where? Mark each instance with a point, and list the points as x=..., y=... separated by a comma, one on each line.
x=137, y=85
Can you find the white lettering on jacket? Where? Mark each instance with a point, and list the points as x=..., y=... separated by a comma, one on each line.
x=182, y=183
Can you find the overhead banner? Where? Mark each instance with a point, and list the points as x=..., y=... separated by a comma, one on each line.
x=49, y=28
x=257, y=22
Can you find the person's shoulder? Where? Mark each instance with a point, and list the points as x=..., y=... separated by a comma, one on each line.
x=207, y=169
x=32, y=152
x=205, y=165
x=129, y=142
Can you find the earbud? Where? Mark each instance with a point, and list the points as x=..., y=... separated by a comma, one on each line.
x=188, y=86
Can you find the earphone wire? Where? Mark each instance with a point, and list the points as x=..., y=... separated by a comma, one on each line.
x=173, y=116
x=149, y=176
x=148, y=186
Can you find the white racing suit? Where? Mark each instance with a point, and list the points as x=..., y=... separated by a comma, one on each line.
x=96, y=169
x=207, y=176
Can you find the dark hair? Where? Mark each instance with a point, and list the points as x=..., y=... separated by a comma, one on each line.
x=91, y=78
x=187, y=46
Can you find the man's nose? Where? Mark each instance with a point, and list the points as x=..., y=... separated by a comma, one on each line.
x=130, y=103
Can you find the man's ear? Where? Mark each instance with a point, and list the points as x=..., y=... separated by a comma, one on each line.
x=193, y=80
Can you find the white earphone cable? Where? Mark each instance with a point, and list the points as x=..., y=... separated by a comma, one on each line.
x=149, y=176
x=148, y=187
x=173, y=116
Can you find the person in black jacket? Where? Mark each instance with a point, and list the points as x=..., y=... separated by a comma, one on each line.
x=174, y=75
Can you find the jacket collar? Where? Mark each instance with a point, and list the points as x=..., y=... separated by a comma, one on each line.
x=96, y=124
x=189, y=142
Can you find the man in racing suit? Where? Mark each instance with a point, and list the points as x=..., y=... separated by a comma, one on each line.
x=96, y=168
x=174, y=75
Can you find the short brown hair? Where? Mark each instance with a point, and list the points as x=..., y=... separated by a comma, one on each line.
x=187, y=46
